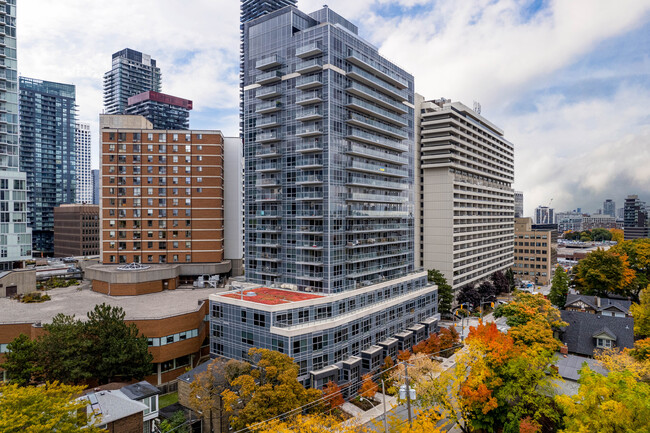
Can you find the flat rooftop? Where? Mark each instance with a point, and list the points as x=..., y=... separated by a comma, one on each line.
x=70, y=300
x=268, y=296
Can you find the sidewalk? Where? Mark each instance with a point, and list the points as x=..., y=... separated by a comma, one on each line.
x=360, y=417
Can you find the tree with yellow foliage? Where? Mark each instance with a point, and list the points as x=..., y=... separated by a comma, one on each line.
x=308, y=424
x=617, y=402
x=52, y=407
x=641, y=314
x=605, y=271
x=617, y=235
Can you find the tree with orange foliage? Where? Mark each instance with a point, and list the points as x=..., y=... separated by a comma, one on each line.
x=403, y=355
x=368, y=387
x=332, y=395
x=495, y=382
x=428, y=346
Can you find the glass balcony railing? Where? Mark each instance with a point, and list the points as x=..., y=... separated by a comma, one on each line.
x=378, y=213
x=268, y=62
x=378, y=98
x=359, y=74
x=309, y=161
x=367, y=122
x=267, y=137
x=267, y=92
x=376, y=68
x=309, y=66
x=355, y=149
x=381, y=198
x=268, y=166
x=362, y=181
x=374, y=110
x=309, y=98
x=269, y=77
x=268, y=107
x=308, y=178
x=308, y=50
x=376, y=168
x=272, y=196
x=309, y=145
x=309, y=195
x=309, y=82
x=307, y=114
x=268, y=182
x=366, y=137
x=309, y=130
x=268, y=122
x=267, y=152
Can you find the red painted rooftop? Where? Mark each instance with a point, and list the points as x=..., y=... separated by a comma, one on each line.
x=265, y=295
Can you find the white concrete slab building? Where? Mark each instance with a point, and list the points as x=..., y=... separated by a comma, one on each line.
x=466, y=205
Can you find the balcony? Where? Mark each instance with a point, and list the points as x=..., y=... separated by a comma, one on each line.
x=267, y=152
x=367, y=182
x=309, y=195
x=267, y=214
x=268, y=62
x=268, y=196
x=267, y=167
x=268, y=182
x=309, y=213
x=309, y=245
x=308, y=66
x=374, y=110
x=371, y=80
x=267, y=257
x=267, y=92
x=376, y=198
x=272, y=243
x=305, y=162
x=268, y=107
x=378, y=98
x=269, y=77
x=309, y=145
x=359, y=213
x=309, y=98
x=309, y=131
x=308, y=179
x=267, y=270
x=307, y=114
x=308, y=50
x=306, y=82
x=363, y=61
x=361, y=243
x=383, y=128
x=365, y=137
x=267, y=228
x=377, y=169
x=306, y=259
x=310, y=229
x=267, y=137
x=357, y=150
x=268, y=122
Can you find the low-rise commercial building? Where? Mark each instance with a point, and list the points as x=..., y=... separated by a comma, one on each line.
x=535, y=252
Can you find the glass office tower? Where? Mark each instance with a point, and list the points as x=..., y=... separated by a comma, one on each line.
x=15, y=236
x=328, y=147
x=47, y=153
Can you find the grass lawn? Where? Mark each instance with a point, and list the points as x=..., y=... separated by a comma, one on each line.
x=168, y=399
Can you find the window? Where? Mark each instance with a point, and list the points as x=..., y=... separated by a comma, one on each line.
x=604, y=343
x=259, y=320
x=319, y=342
x=247, y=337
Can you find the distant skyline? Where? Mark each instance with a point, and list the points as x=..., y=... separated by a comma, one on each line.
x=569, y=82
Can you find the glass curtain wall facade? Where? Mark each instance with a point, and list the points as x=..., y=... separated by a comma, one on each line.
x=132, y=73
x=47, y=153
x=15, y=236
x=84, y=177
x=328, y=149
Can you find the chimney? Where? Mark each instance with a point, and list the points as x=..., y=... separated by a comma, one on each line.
x=598, y=301
x=564, y=350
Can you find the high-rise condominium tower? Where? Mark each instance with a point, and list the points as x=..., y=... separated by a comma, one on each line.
x=609, y=207
x=635, y=218
x=16, y=238
x=544, y=215
x=95, y=183
x=328, y=142
x=466, y=209
x=132, y=73
x=519, y=204
x=84, y=176
x=47, y=153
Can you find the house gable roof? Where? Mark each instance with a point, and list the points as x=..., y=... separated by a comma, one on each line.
x=579, y=335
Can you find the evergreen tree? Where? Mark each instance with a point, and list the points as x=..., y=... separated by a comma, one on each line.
x=20, y=361
x=559, y=288
x=445, y=291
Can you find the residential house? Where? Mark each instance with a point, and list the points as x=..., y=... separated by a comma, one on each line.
x=145, y=393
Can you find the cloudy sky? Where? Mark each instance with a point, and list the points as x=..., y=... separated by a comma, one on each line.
x=568, y=80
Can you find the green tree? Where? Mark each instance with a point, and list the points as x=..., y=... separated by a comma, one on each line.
x=559, y=287
x=445, y=291
x=599, y=235
x=510, y=275
x=118, y=350
x=20, y=361
x=500, y=281
x=641, y=314
x=175, y=424
x=602, y=272
x=617, y=402
x=63, y=351
x=267, y=391
x=526, y=307
x=637, y=252
x=52, y=407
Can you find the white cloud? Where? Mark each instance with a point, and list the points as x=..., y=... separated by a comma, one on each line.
x=571, y=149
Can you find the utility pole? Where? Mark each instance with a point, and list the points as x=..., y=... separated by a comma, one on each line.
x=408, y=393
x=383, y=392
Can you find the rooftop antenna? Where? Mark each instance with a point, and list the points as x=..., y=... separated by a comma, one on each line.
x=477, y=107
